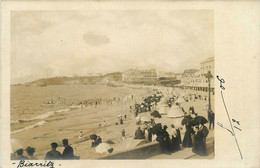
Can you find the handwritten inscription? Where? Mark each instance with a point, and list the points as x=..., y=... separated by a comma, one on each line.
x=222, y=81
x=236, y=121
x=221, y=125
x=23, y=163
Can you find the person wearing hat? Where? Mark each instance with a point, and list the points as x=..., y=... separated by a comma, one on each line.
x=30, y=151
x=175, y=142
x=53, y=154
x=164, y=140
x=68, y=151
x=187, y=141
x=199, y=146
x=19, y=155
x=123, y=134
x=139, y=134
x=211, y=118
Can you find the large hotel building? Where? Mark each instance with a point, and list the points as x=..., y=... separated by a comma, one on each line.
x=139, y=75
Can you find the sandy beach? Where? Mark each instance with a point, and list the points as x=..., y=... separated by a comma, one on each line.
x=68, y=124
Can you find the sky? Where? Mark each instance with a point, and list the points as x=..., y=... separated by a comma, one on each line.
x=64, y=43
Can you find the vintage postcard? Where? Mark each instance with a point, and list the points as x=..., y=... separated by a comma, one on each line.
x=130, y=84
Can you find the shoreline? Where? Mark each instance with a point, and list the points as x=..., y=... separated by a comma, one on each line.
x=70, y=123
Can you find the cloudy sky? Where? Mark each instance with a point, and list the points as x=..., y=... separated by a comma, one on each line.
x=63, y=43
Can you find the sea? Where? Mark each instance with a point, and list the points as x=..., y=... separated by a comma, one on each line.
x=31, y=105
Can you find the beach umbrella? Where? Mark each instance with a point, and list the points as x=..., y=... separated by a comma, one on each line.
x=186, y=119
x=144, y=126
x=137, y=118
x=103, y=148
x=93, y=137
x=156, y=128
x=175, y=112
x=145, y=119
x=110, y=142
x=199, y=120
x=155, y=113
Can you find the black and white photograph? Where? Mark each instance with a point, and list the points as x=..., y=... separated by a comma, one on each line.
x=112, y=84
x=132, y=84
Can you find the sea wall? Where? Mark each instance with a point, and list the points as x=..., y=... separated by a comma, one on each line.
x=142, y=152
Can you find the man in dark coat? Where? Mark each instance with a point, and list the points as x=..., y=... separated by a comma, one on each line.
x=211, y=118
x=68, y=151
x=192, y=110
x=53, y=154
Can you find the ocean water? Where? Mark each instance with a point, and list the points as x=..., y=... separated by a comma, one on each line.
x=30, y=108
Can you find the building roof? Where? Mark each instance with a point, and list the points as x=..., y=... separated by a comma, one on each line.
x=190, y=71
x=207, y=60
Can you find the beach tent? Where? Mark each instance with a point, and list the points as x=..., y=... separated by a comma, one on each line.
x=180, y=100
x=137, y=118
x=163, y=109
x=163, y=101
x=103, y=148
x=177, y=122
x=145, y=119
x=175, y=112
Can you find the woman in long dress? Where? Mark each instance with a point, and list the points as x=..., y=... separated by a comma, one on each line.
x=179, y=135
x=175, y=143
x=187, y=141
x=199, y=146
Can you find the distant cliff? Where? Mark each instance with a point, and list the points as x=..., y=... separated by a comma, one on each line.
x=78, y=80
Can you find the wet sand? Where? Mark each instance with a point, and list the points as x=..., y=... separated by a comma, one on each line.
x=69, y=124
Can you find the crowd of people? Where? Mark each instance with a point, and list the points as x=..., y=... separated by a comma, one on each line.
x=195, y=129
x=147, y=103
x=194, y=137
x=53, y=154
x=170, y=140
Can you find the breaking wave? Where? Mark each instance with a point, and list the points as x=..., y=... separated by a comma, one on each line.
x=40, y=117
x=40, y=123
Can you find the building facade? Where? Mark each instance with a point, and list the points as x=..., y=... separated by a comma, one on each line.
x=139, y=75
x=207, y=65
x=197, y=80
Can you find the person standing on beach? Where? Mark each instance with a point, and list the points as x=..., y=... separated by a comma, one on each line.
x=146, y=135
x=121, y=121
x=80, y=134
x=139, y=134
x=123, y=134
x=53, y=154
x=104, y=123
x=68, y=151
